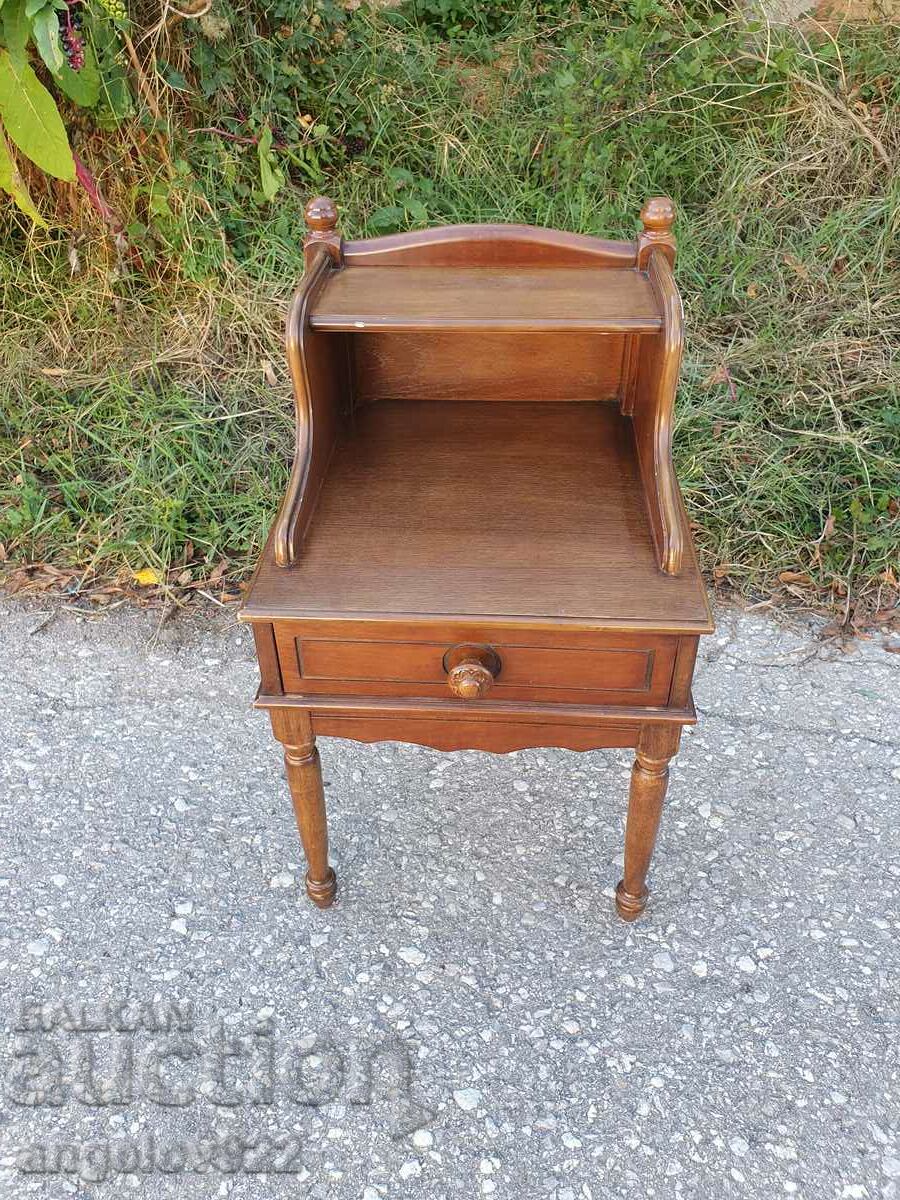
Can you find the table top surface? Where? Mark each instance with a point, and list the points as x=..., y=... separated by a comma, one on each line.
x=503, y=511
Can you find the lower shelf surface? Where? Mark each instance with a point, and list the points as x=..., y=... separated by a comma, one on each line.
x=510, y=510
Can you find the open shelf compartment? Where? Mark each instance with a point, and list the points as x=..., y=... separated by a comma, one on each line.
x=488, y=314
x=518, y=510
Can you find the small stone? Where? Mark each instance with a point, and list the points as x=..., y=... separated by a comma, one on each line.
x=184, y=908
x=739, y=1146
x=38, y=947
x=179, y=925
x=411, y=955
x=700, y=969
x=746, y=964
x=59, y=880
x=662, y=961
x=410, y=1169
x=423, y=1138
x=284, y=879
x=468, y=1099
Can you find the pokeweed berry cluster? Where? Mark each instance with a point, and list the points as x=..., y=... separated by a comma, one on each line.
x=70, y=22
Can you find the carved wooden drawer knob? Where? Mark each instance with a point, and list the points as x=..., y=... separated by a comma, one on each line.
x=471, y=671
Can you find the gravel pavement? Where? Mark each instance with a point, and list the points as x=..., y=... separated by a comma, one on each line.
x=471, y=1019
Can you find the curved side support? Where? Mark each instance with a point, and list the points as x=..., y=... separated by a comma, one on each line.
x=489, y=246
x=316, y=381
x=656, y=385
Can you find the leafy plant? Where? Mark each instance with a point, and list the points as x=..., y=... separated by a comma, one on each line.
x=75, y=47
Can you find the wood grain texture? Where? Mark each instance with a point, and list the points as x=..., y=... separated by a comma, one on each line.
x=267, y=657
x=683, y=671
x=515, y=511
x=657, y=218
x=580, y=668
x=649, y=779
x=484, y=298
x=319, y=374
x=304, y=775
x=466, y=366
x=489, y=246
x=460, y=734
x=488, y=712
x=322, y=233
x=654, y=403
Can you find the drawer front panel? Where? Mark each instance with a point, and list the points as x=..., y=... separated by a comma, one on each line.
x=573, y=668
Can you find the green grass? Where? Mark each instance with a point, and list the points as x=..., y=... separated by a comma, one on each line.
x=158, y=437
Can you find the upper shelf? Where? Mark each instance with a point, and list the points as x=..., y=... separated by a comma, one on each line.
x=608, y=300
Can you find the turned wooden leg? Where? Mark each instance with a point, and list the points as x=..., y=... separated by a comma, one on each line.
x=304, y=774
x=649, y=776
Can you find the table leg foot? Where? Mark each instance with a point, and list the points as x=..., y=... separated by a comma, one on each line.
x=630, y=907
x=322, y=891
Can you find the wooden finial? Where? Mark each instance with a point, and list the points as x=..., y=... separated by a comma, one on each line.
x=657, y=217
x=321, y=221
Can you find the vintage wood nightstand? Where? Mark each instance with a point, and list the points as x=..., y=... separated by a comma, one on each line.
x=483, y=543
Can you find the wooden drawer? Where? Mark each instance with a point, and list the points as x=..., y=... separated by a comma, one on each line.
x=554, y=666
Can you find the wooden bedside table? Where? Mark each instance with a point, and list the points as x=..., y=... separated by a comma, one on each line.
x=483, y=543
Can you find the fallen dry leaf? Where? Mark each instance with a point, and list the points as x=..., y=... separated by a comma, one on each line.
x=796, y=266
x=796, y=577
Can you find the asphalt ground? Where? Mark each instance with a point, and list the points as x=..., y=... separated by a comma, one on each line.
x=471, y=1018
